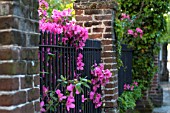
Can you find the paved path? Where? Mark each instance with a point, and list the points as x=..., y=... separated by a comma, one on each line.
x=166, y=99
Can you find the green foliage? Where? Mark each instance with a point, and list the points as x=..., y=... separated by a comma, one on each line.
x=149, y=16
x=60, y=5
x=128, y=99
x=166, y=36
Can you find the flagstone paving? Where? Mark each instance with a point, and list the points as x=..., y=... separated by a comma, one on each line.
x=166, y=99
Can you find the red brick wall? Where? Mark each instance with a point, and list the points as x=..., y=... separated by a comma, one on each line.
x=98, y=18
x=19, y=67
x=156, y=92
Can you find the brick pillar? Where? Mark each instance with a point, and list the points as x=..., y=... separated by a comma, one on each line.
x=19, y=67
x=153, y=96
x=156, y=92
x=98, y=17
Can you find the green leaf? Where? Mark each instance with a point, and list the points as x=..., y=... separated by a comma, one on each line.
x=78, y=87
x=63, y=78
x=85, y=84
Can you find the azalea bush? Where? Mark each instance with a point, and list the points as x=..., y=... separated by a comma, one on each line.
x=140, y=24
x=127, y=101
x=60, y=23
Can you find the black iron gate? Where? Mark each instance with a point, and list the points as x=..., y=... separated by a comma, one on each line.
x=57, y=59
x=125, y=72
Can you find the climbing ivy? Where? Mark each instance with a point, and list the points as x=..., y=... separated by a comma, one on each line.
x=149, y=16
x=152, y=17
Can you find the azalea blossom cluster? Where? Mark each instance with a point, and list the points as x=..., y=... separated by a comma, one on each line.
x=80, y=64
x=69, y=98
x=135, y=33
x=130, y=87
x=124, y=16
x=59, y=23
x=100, y=78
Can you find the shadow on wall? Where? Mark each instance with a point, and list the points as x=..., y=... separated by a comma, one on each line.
x=168, y=63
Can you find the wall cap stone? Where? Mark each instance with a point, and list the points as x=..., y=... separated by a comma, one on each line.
x=96, y=5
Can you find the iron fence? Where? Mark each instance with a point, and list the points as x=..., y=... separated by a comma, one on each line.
x=125, y=72
x=57, y=59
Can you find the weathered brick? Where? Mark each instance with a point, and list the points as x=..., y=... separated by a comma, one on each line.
x=12, y=37
x=8, y=84
x=94, y=36
x=90, y=24
x=110, y=104
x=83, y=18
x=36, y=80
x=79, y=12
x=37, y=106
x=34, y=40
x=107, y=35
x=107, y=42
x=108, y=11
x=112, y=85
x=114, y=97
x=80, y=23
x=92, y=11
x=13, y=68
x=33, y=94
x=108, y=30
x=108, y=48
x=26, y=82
x=104, y=17
x=98, y=30
x=8, y=22
x=109, y=91
x=13, y=99
x=28, y=108
x=89, y=30
x=108, y=54
x=28, y=53
x=32, y=67
x=9, y=53
x=17, y=110
x=107, y=23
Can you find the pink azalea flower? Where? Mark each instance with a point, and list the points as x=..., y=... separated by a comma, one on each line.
x=125, y=86
x=69, y=103
x=135, y=35
x=130, y=32
x=128, y=86
x=124, y=16
x=102, y=66
x=77, y=92
x=60, y=95
x=108, y=74
x=98, y=104
x=139, y=30
x=70, y=87
x=45, y=91
x=95, y=87
x=131, y=88
x=80, y=57
x=41, y=107
x=92, y=95
x=97, y=99
x=93, y=81
x=80, y=65
x=135, y=83
x=141, y=35
x=97, y=71
x=83, y=99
